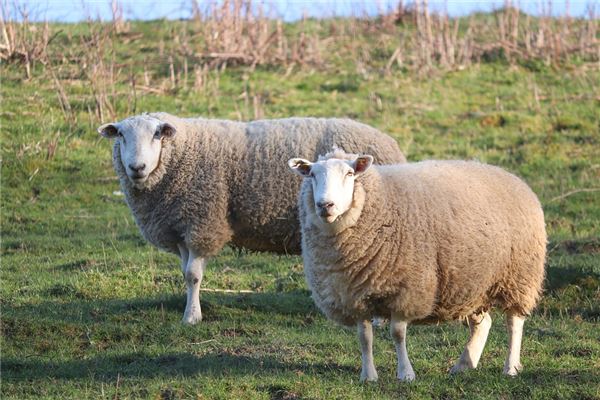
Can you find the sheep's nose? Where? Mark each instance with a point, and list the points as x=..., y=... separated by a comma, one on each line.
x=325, y=205
x=137, y=168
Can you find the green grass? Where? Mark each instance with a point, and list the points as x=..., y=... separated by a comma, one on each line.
x=89, y=310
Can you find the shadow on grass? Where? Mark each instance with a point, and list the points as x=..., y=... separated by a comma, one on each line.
x=573, y=262
x=295, y=303
x=141, y=365
x=559, y=278
x=225, y=364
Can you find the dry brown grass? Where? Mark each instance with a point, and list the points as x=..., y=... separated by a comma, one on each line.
x=193, y=54
x=23, y=42
x=240, y=32
x=120, y=25
x=439, y=41
x=100, y=69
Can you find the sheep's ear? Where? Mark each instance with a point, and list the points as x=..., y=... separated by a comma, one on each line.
x=109, y=130
x=165, y=129
x=362, y=163
x=300, y=166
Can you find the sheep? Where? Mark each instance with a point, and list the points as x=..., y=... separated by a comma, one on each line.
x=420, y=243
x=194, y=185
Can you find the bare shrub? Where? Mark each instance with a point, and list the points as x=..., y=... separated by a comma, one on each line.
x=118, y=21
x=63, y=98
x=241, y=32
x=99, y=68
x=547, y=38
x=192, y=55
x=21, y=41
x=437, y=41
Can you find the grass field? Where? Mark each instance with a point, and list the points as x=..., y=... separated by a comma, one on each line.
x=89, y=310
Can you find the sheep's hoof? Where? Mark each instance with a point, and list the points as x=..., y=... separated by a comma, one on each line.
x=406, y=376
x=459, y=367
x=512, y=370
x=192, y=319
x=367, y=377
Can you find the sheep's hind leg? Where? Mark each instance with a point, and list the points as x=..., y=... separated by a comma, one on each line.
x=479, y=326
x=194, y=271
x=365, y=336
x=398, y=332
x=514, y=325
x=184, y=255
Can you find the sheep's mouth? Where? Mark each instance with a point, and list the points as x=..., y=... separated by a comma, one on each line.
x=331, y=218
x=138, y=178
x=327, y=217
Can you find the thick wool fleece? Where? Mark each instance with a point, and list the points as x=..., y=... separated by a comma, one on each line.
x=224, y=182
x=429, y=241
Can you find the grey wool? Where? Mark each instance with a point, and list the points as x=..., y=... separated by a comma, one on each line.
x=220, y=181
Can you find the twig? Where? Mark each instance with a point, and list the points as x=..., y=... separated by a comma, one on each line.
x=107, y=179
x=53, y=37
x=226, y=56
x=226, y=290
x=150, y=89
x=395, y=57
x=572, y=192
x=553, y=248
x=117, y=386
x=203, y=342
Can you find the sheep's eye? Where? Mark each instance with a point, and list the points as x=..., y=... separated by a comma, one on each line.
x=157, y=135
x=350, y=173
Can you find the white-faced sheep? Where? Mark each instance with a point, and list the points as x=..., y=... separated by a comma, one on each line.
x=422, y=242
x=194, y=185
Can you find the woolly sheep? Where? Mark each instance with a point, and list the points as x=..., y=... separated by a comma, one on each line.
x=421, y=242
x=194, y=185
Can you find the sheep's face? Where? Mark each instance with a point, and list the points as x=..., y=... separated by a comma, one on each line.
x=139, y=144
x=332, y=183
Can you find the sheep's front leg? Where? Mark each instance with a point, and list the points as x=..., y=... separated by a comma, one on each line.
x=365, y=336
x=479, y=326
x=398, y=332
x=194, y=271
x=514, y=324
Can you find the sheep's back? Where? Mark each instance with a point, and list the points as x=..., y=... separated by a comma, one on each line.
x=222, y=181
x=487, y=222
x=264, y=203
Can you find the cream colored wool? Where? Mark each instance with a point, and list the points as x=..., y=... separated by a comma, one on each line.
x=222, y=182
x=427, y=241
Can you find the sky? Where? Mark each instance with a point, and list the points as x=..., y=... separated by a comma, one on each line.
x=289, y=10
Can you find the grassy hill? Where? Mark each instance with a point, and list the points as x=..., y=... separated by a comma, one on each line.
x=89, y=310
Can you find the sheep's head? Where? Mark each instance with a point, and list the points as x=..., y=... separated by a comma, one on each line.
x=332, y=182
x=139, y=144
